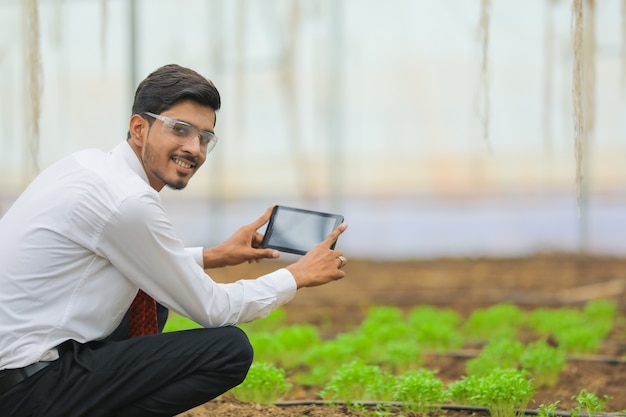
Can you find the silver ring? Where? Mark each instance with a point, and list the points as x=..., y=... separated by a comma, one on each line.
x=342, y=261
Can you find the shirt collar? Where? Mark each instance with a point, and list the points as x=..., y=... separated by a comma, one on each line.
x=124, y=151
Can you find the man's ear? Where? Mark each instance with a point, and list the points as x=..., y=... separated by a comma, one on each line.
x=138, y=129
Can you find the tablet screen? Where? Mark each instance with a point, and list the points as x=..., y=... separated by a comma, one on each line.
x=298, y=231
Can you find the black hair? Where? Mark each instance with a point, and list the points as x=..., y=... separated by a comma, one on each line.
x=171, y=84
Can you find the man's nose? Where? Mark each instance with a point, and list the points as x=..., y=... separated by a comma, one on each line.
x=193, y=146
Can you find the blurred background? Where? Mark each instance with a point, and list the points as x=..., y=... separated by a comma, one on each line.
x=436, y=127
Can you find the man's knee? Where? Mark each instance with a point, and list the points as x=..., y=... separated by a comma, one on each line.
x=244, y=352
x=239, y=352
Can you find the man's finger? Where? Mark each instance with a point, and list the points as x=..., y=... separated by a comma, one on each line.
x=265, y=254
x=263, y=219
x=256, y=240
x=334, y=235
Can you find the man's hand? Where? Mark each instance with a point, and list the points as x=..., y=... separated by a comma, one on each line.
x=242, y=246
x=321, y=264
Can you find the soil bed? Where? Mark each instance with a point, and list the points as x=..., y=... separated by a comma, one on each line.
x=463, y=285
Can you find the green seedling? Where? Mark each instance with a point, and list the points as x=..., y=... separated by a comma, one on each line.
x=600, y=309
x=498, y=321
x=442, y=316
x=381, y=315
x=499, y=353
x=382, y=387
x=377, y=336
x=266, y=347
x=383, y=324
x=399, y=356
x=323, y=359
x=465, y=391
x=579, y=340
x=420, y=391
x=589, y=403
x=547, y=410
x=439, y=338
x=294, y=342
x=264, y=384
x=350, y=383
x=436, y=329
x=543, y=362
x=385, y=338
x=547, y=322
x=576, y=332
x=506, y=392
x=600, y=315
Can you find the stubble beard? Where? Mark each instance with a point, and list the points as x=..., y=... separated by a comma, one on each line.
x=151, y=159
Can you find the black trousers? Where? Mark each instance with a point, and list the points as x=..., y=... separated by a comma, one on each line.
x=159, y=375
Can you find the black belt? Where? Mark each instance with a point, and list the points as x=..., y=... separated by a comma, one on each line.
x=11, y=377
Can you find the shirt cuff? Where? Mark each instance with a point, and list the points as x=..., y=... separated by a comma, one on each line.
x=196, y=252
x=283, y=283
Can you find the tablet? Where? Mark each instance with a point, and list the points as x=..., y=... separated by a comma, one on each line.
x=296, y=230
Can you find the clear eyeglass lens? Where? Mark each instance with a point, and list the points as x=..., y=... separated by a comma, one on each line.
x=182, y=133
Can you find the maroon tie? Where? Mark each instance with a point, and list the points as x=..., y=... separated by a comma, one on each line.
x=143, y=316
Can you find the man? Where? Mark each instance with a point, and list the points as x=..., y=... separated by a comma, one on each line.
x=89, y=236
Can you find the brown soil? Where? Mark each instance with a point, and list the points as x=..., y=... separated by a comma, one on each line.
x=464, y=285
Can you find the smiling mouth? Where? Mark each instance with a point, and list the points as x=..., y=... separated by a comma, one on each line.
x=183, y=164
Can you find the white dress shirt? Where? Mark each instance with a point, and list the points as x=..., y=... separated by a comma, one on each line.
x=78, y=243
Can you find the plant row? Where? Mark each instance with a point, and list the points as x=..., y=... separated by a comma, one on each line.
x=398, y=342
x=503, y=392
x=382, y=358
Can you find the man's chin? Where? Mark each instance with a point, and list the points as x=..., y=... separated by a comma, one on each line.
x=176, y=186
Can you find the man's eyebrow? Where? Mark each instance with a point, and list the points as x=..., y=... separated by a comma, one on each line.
x=192, y=125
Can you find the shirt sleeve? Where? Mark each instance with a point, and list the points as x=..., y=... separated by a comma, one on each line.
x=196, y=252
x=140, y=243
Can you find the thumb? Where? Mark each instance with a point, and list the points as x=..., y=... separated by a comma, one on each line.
x=266, y=253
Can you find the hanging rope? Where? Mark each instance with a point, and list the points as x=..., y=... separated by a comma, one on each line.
x=624, y=45
x=548, y=79
x=577, y=92
x=484, y=69
x=33, y=77
x=104, y=11
x=589, y=81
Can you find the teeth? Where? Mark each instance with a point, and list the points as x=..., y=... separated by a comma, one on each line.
x=182, y=164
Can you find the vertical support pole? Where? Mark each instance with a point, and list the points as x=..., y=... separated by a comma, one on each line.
x=132, y=42
x=336, y=108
